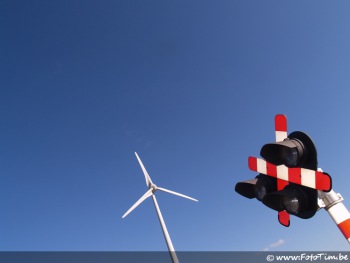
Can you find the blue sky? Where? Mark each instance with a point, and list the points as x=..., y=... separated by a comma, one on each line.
x=193, y=87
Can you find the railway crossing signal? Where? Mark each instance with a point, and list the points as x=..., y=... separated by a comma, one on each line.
x=288, y=179
x=299, y=197
x=290, y=182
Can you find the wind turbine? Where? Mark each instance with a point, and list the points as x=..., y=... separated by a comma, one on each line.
x=152, y=189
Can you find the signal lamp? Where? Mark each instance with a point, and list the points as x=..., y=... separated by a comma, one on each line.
x=263, y=186
x=296, y=200
x=257, y=188
x=298, y=150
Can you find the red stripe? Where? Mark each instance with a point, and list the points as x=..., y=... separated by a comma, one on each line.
x=271, y=169
x=281, y=184
x=252, y=163
x=283, y=218
x=294, y=175
x=280, y=122
x=323, y=181
x=345, y=228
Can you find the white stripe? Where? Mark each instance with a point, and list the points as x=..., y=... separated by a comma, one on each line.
x=282, y=172
x=261, y=165
x=281, y=135
x=308, y=178
x=339, y=213
x=349, y=240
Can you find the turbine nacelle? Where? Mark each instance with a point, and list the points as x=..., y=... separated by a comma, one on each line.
x=153, y=187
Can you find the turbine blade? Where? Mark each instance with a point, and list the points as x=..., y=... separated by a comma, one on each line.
x=147, y=177
x=145, y=196
x=175, y=193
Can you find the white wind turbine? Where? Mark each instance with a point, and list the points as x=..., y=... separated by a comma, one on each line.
x=152, y=189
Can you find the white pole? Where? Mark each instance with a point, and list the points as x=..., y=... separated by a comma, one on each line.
x=165, y=232
x=332, y=202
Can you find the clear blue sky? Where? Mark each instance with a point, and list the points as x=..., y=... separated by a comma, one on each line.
x=193, y=87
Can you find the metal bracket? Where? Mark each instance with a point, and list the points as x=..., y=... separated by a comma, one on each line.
x=327, y=199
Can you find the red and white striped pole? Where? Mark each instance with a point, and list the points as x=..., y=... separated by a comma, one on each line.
x=281, y=134
x=332, y=202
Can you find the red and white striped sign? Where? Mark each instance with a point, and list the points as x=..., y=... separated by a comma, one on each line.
x=281, y=134
x=301, y=176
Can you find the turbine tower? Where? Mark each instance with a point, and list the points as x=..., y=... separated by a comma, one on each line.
x=151, y=191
